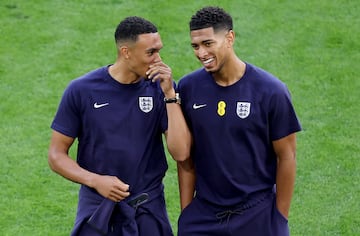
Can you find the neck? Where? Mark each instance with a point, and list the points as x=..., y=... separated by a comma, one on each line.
x=122, y=74
x=231, y=72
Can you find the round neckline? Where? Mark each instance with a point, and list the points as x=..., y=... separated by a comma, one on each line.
x=118, y=84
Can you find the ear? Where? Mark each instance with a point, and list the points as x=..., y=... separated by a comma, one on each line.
x=124, y=52
x=230, y=37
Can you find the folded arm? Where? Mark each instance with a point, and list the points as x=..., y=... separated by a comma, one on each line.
x=178, y=137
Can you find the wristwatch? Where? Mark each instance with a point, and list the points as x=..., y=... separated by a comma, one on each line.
x=176, y=99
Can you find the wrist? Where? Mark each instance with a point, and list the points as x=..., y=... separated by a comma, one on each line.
x=92, y=180
x=170, y=94
x=174, y=99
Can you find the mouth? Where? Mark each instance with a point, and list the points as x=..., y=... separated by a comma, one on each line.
x=208, y=62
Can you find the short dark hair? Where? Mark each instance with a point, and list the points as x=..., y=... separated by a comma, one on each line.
x=131, y=27
x=211, y=16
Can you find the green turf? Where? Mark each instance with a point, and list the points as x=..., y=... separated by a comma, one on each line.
x=313, y=46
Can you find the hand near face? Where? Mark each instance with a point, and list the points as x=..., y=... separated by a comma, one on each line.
x=162, y=72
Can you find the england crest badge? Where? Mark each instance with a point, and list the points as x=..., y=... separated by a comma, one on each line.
x=146, y=104
x=243, y=109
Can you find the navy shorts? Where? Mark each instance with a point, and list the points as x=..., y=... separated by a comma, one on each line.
x=260, y=219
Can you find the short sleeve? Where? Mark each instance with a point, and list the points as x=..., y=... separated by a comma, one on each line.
x=282, y=117
x=68, y=116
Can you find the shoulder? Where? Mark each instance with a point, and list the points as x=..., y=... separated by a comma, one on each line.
x=264, y=80
x=89, y=79
x=194, y=77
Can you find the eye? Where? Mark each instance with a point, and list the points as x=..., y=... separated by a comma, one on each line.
x=207, y=44
x=152, y=52
x=195, y=47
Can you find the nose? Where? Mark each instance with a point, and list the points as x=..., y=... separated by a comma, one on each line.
x=157, y=57
x=201, y=52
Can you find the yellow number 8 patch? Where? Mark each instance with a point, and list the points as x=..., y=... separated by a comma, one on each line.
x=221, y=108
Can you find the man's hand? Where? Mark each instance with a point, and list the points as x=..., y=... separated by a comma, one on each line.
x=162, y=72
x=111, y=187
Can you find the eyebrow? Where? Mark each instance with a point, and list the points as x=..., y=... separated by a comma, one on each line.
x=204, y=41
x=207, y=41
x=152, y=49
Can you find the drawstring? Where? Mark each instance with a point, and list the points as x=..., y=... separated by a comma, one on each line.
x=221, y=216
x=227, y=214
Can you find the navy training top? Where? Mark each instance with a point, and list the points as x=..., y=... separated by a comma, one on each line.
x=233, y=128
x=119, y=127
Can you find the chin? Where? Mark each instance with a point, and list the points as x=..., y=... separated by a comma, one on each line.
x=211, y=69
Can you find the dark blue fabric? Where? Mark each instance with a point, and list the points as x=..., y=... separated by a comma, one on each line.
x=262, y=219
x=233, y=129
x=100, y=219
x=97, y=215
x=120, y=129
x=123, y=137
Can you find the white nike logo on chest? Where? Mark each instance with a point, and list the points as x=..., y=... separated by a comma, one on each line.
x=96, y=105
x=197, y=106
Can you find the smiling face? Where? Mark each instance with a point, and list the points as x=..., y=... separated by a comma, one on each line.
x=141, y=54
x=211, y=48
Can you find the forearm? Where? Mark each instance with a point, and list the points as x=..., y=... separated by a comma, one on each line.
x=108, y=186
x=285, y=182
x=69, y=169
x=178, y=135
x=186, y=178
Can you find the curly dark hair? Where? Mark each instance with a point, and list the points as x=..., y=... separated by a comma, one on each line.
x=211, y=16
x=131, y=27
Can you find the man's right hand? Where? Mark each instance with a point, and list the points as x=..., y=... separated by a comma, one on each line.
x=108, y=186
x=111, y=187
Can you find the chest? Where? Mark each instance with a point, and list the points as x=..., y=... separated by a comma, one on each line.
x=227, y=109
x=114, y=110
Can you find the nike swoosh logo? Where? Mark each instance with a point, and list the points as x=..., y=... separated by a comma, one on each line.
x=100, y=105
x=196, y=106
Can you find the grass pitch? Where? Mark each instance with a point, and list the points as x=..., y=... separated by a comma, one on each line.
x=313, y=46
